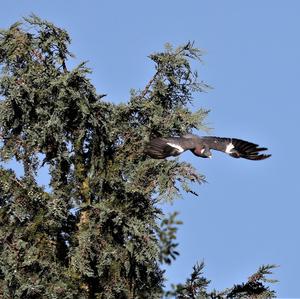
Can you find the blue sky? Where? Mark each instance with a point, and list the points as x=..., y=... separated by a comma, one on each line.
x=248, y=212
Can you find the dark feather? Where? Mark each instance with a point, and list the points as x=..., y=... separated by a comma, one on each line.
x=159, y=148
x=247, y=150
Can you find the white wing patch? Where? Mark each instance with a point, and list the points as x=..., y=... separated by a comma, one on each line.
x=229, y=147
x=178, y=147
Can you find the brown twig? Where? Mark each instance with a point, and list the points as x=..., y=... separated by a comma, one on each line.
x=146, y=90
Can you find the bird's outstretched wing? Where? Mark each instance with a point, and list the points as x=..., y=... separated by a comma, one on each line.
x=236, y=148
x=160, y=148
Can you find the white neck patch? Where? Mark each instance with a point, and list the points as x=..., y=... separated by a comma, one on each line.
x=229, y=147
x=178, y=147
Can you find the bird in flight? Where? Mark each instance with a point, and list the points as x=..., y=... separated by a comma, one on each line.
x=160, y=148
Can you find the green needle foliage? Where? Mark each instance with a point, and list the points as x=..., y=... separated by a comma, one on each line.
x=97, y=231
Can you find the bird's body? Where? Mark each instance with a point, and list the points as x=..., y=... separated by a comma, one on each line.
x=160, y=148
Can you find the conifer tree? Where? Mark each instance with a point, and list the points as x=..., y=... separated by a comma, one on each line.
x=97, y=230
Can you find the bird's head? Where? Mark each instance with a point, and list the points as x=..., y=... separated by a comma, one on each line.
x=206, y=153
x=203, y=152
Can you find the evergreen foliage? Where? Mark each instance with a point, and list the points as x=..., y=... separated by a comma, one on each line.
x=97, y=231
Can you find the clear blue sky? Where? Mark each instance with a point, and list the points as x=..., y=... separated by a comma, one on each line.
x=248, y=213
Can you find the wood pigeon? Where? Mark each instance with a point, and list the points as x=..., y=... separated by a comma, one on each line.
x=160, y=148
